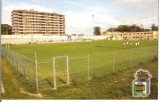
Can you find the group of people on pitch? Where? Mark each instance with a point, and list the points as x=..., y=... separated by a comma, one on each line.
x=125, y=44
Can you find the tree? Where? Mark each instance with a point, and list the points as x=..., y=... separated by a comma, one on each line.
x=134, y=28
x=111, y=29
x=128, y=28
x=154, y=27
x=97, y=30
x=6, y=29
x=123, y=28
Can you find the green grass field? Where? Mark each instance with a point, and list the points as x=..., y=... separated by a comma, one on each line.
x=104, y=57
x=109, y=63
x=46, y=51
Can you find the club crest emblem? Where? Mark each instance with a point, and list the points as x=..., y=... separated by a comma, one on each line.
x=141, y=84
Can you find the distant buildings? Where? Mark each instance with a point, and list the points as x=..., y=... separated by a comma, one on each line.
x=147, y=35
x=35, y=22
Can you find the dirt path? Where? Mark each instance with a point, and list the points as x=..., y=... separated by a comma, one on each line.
x=8, y=78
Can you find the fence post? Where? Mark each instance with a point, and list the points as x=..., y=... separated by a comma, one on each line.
x=24, y=66
x=131, y=56
x=11, y=58
x=68, y=81
x=54, y=74
x=88, y=69
x=14, y=60
x=145, y=54
x=36, y=66
x=113, y=60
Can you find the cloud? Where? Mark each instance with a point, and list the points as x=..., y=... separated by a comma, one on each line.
x=78, y=22
x=6, y=11
x=84, y=22
x=146, y=22
x=129, y=1
x=107, y=14
x=137, y=5
x=69, y=2
x=136, y=12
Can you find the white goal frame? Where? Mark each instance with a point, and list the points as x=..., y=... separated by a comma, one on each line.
x=54, y=70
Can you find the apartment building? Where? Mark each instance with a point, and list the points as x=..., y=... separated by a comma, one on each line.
x=147, y=35
x=35, y=22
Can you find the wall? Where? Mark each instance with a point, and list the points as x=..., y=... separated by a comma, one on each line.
x=40, y=38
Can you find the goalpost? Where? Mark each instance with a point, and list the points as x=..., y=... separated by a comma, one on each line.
x=54, y=70
x=57, y=71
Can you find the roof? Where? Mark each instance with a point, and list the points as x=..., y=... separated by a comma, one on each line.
x=37, y=12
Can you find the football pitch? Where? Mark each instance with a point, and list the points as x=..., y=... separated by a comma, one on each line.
x=86, y=59
x=46, y=51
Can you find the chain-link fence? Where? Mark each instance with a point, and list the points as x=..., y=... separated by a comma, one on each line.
x=77, y=69
x=21, y=63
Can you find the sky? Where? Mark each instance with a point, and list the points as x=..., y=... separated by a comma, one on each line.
x=79, y=13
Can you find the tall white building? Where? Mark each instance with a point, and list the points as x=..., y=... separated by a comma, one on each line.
x=35, y=22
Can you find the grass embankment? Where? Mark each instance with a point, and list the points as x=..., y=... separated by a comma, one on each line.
x=116, y=85
x=15, y=85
